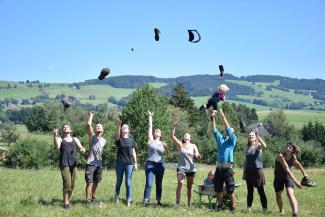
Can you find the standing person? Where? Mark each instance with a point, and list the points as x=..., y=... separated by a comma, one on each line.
x=155, y=165
x=253, y=169
x=186, y=167
x=68, y=152
x=284, y=177
x=93, y=173
x=224, y=172
x=126, y=160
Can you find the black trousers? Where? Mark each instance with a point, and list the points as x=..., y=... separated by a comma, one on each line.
x=250, y=194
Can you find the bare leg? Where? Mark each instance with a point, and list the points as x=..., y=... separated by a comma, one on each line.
x=93, y=190
x=292, y=199
x=232, y=199
x=279, y=201
x=189, y=189
x=180, y=179
x=89, y=186
x=219, y=198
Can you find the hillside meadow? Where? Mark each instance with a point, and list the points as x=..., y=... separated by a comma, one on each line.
x=37, y=193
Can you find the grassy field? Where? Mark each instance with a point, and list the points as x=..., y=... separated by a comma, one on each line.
x=38, y=193
x=275, y=95
x=298, y=117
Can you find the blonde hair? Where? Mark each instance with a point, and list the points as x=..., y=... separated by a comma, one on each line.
x=224, y=88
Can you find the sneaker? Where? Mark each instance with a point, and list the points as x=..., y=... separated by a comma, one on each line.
x=219, y=208
x=104, y=73
x=88, y=202
x=189, y=205
x=66, y=206
x=117, y=199
x=295, y=215
x=177, y=204
x=128, y=203
x=233, y=210
x=157, y=33
x=159, y=203
x=94, y=201
x=202, y=107
x=146, y=202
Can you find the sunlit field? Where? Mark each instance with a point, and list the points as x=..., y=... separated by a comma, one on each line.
x=38, y=193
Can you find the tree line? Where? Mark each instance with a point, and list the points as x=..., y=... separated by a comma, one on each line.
x=41, y=119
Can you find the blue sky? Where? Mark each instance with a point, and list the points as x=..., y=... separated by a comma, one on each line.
x=66, y=41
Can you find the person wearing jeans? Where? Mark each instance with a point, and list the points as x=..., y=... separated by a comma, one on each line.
x=155, y=165
x=126, y=160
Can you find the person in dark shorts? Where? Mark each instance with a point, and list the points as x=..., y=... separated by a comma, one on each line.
x=93, y=172
x=68, y=152
x=155, y=163
x=253, y=169
x=283, y=177
x=186, y=167
x=126, y=160
x=224, y=172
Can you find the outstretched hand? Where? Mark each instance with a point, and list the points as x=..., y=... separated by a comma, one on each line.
x=55, y=131
x=256, y=132
x=91, y=113
x=150, y=114
x=175, y=121
x=118, y=120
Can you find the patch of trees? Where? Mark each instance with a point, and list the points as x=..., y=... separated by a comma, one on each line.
x=43, y=119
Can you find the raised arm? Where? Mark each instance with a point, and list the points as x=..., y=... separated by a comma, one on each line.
x=118, y=128
x=56, y=139
x=225, y=122
x=261, y=141
x=299, y=166
x=176, y=142
x=90, y=130
x=286, y=168
x=150, y=136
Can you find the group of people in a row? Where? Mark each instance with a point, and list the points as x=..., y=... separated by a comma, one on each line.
x=126, y=163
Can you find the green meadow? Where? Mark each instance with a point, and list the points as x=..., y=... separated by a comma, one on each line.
x=38, y=193
x=298, y=117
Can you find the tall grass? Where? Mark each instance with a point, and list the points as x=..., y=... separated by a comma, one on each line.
x=38, y=193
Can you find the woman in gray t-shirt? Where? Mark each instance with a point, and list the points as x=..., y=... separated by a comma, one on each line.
x=186, y=167
x=155, y=164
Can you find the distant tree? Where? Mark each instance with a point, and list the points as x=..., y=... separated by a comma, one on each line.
x=135, y=114
x=8, y=86
x=9, y=134
x=313, y=131
x=181, y=99
x=37, y=120
x=278, y=126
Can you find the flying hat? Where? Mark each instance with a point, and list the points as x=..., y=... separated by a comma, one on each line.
x=104, y=73
x=157, y=33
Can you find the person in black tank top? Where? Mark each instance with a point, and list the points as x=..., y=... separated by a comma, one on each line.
x=68, y=152
x=284, y=177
